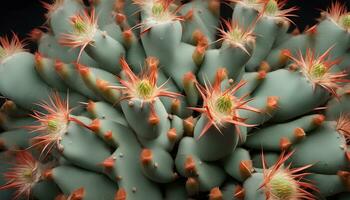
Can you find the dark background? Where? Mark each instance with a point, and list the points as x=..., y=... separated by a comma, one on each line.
x=21, y=16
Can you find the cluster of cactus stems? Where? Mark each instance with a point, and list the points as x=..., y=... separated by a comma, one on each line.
x=162, y=99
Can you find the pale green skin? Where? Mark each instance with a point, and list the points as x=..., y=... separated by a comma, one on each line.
x=270, y=136
x=335, y=107
x=46, y=71
x=329, y=35
x=209, y=174
x=77, y=143
x=229, y=189
x=251, y=186
x=328, y=184
x=203, y=20
x=176, y=191
x=229, y=57
x=327, y=157
x=106, y=51
x=137, y=117
x=221, y=144
x=49, y=47
x=286, y=85
x=232, y=162
x=60, y=18
x=216, y=156
x=27, y=83
x=163, y=173
x=70, y=178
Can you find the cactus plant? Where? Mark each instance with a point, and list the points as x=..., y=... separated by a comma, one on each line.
x=161, y=99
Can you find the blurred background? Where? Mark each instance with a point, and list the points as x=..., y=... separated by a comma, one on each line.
x=21, y=16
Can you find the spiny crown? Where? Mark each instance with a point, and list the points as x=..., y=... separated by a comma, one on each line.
x=23, y=175
x=52, y=125
x=84, y=28
x=222, y=107
x=143, y=87
x=283, y=183
x=339, y=14
x=317, y=69
x=343, y=127
x=10, y=47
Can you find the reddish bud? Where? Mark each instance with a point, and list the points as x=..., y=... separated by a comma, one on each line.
x=8, y=106
x=90, y=106
x=152, y=62
x=239, y=192
x=48, y=174
x=102, y=85
x=35, y=35
x=192, y=186
x=172, y=134
x=108, y=135
x=299, y=133
x=345, y=177
x=38, y=61
x=311, y=31
x=198, y=54
x=189, y=15
x=318, y=120
x=78, y=194
x=153, y=119
x=58, y=65
x=285, y=143
x=215, y=194
x=128, y=36
x=175, y=105
x=84, y=71
x=60, y=197
x=221, y=74
x=272, y=102
x=214, y=6
x=347, y=155
x=146, y=157
x=190, y=165
x=121, y=194
x=120, y=18
x=188, y=79
x=119, y=5
x=296, y=31
x=246, y=168
x=95, y=125
x=189, y=126
x=264, y=66
x=108, y=163
x=262, y=75
x=284, y=56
